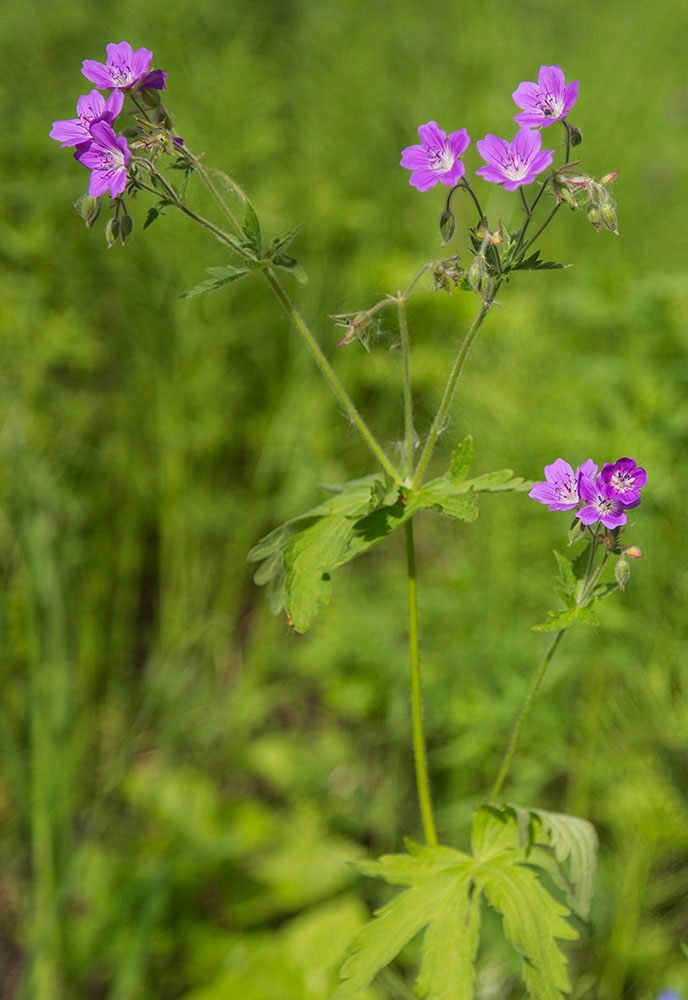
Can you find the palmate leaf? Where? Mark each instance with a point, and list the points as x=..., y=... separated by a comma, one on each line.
x=443, y=897
x=299, y=557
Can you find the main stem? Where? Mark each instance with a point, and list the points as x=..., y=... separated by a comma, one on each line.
x=408, y=396
x=422, y=780
x=516, y=735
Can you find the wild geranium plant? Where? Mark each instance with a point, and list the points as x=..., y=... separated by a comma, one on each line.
x=129, y=144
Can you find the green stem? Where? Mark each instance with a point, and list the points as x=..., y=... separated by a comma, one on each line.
x=408, y=395
x=450, y=387
x=422, y=780
x=327, y=370
x=516, y=734
x=467, y=187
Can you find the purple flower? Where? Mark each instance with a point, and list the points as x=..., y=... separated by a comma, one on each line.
x=602, y=504
x=437, y=158
x=516, y=163
x=90, y=108
x=124, y=69
x=107, y=159
x=547, y=101
x=625, y=478
x=561, y=489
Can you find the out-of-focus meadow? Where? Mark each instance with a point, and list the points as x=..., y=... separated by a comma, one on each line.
x=182, y=780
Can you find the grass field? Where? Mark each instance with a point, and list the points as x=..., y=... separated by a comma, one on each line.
x=182, y=779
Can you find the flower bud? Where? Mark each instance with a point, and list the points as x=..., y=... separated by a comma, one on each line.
x=575, y=135
x=622, y=571
x=112, y=232
x=126, y=225
x=634, y=552
x=447, y=226
x=89, y=209
x=608, y=178
x=476, y=273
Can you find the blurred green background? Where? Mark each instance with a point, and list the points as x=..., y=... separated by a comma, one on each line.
x=183, y=781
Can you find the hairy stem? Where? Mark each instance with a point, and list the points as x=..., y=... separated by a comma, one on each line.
x=422, y=780
x=408, y=395
x=450, y=388
x=516, y=734
x=329, y=374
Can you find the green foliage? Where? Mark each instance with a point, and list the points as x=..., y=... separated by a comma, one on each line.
x=581, y=599
x=297, y=558
x=443, y=896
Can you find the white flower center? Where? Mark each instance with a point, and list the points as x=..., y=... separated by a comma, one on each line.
x=551, y=105
x=567, y=490
x=514, y=167
x=622, y=481
x=441, y=158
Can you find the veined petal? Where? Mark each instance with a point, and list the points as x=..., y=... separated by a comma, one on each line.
x=493, y=149
x=97, y=73
x=414, y=156
x=526, y=95
x=91, y=105
x=491, y=173
x=458, y=141
x=432, y=135
x=570, y=96
x=424, y=179
x=527, y=143
x=452, y=176
x=551, y=79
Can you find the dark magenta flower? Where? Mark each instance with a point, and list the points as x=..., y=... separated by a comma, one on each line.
x=107, y=158
x=601, y=504
x=124, y=69
x=547, y=101
x=513, y=163
x=437, y=158
x=626, y=479
x=90, y=108
x=560, y=490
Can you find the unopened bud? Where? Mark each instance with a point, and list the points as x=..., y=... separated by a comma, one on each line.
x=576, y=531
x=622, y=571
x=476, y=273
x=111, y=232
x=634, y=552
x=608, y=178
x=575, y=135
x=447, y=226
x=125, y=227
x=89, y=209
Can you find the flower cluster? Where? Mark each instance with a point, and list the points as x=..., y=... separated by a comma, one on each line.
x=97, y=146
x=513, y=164
x=605, y=497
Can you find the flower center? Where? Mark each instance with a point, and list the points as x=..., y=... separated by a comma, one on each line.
x=514, y=167
x=441, y=158
x=121, y=74
x=622, y=481
x=567, y=490
x=550, y=105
